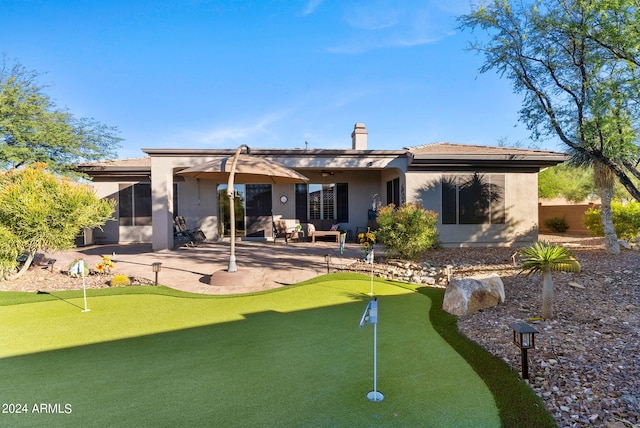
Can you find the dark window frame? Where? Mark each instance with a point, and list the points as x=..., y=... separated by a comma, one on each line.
x=393, y=192
x=335, y=193
x=134, y=204
x=473, y=199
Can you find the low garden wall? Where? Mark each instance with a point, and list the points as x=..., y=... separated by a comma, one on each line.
x=572, y=215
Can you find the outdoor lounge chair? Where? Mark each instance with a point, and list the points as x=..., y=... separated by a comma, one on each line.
x=287, y=229
x=182, y=235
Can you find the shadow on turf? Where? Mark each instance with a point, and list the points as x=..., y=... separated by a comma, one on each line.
x=59, y=298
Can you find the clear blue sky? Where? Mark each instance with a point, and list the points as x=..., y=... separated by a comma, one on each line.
x=269, y=74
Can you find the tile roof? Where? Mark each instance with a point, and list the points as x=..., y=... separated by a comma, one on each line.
x=120, y=163
x=467, y=149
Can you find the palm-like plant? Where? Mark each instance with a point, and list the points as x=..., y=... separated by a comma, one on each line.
x=543, y=257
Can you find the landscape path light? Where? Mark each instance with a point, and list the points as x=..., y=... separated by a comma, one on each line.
x=157, y=267
x=524, y=338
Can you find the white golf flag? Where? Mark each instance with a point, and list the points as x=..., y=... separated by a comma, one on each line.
x=370, y=315
x=369, y=257
x=78, y=268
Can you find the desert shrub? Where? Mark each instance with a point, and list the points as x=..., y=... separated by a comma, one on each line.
x=407, y=231
x=626, y=220
x=556, y=224
x=120, y=281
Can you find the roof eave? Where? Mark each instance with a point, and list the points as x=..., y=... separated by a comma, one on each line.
x=278, y=152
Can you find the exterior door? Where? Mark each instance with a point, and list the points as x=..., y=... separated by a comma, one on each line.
x=224, y=219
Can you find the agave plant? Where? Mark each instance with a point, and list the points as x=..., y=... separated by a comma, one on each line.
x=543, y=257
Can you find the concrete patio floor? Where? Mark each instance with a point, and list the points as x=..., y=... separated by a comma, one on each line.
x=261, y=265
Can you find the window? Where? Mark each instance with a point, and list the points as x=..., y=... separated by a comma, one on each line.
x=473, y=199
x=322, y=202
x=258, y=200
x=393, y=192
x=134, y=207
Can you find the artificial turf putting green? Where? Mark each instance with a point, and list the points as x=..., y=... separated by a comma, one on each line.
x=291, y=357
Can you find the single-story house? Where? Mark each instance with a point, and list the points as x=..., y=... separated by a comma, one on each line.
x=484, y=195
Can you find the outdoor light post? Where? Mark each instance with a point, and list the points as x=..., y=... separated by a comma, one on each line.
x=524, y=338
x=327, y=258
x=157, y=267
x=232, y=215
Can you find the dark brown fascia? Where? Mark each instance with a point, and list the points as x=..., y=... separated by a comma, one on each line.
x=501, y=162
x=109, y=173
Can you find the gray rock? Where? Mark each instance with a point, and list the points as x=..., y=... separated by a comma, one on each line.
x=429, y=280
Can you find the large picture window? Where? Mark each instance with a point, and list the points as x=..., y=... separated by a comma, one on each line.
x=322, y=202
x=134, y=207
x=473, y=199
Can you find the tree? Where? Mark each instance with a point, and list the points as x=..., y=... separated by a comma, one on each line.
x=543, y=257
x=40, y=211
x=564, y=180
x=33, y=129
x=603, y=178
x=576, y=63
x=574, y=182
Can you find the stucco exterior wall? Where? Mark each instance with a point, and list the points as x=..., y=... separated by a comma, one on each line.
x=521, y=190
x=112, y=232
x=198, y=203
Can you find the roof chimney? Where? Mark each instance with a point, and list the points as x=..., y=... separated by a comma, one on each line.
x=359, y=137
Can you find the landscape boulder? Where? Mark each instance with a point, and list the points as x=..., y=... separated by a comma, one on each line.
x=466, y=295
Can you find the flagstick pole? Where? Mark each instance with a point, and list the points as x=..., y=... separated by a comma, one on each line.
x=375, y=359
x=84, y=288
x=375, y=395
x=371, y=293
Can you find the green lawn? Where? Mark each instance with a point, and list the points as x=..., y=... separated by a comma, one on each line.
x=151, y=356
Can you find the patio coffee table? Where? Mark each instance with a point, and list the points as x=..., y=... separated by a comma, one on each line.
x=335, y=233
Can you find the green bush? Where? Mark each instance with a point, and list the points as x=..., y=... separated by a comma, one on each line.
x=407, y=231
x=120, y=281
x=626, y=220
x=556, y=224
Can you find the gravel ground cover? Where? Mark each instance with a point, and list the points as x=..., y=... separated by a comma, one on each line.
x=586, y=365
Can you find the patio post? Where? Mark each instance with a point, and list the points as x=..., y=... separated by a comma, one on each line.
x=232, y=214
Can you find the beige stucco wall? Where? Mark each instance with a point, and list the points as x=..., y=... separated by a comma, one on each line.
x=521, y=190
x=198, y=203
x=112, y=232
